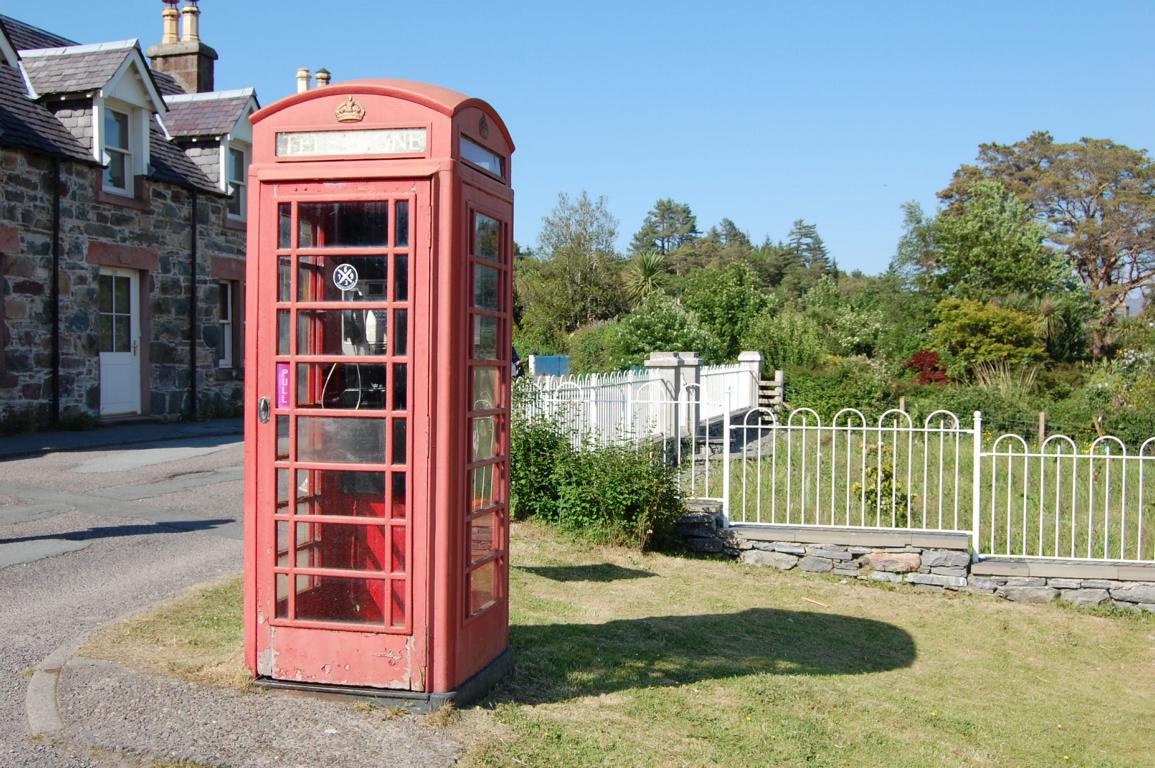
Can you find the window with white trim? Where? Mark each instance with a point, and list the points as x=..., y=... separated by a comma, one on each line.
x=236, y=180
x=226, y=329
x=117, y=151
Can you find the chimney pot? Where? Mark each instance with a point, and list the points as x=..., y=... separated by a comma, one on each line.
x=171, y=17
x=303, y=80
x=191, y=31
x=323, y=77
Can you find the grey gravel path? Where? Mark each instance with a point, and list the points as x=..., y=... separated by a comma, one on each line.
x=117, y=710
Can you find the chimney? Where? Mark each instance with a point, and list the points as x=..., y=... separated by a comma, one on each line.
x=323, y=77
x=303, y=80
x=186, y=58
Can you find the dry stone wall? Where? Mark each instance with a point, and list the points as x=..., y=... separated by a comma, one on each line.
x=926, y=568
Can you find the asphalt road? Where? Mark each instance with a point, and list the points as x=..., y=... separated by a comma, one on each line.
x=89, y=536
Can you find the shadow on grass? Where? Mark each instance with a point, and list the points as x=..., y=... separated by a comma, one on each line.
x=599, y=572
x=557, y=662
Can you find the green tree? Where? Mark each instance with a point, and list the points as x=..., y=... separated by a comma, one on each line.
x=668, y=226
x=990, y=245
x=575, y=278
x=1097, y=198
x=660, y=323
x=971, y=332
x=785, y=339
x=727, y=300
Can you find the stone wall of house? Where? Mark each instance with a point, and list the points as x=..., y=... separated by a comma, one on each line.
x=161, y=226
x=923, y=563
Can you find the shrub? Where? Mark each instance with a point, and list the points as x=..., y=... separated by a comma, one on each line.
x=927, y=366
x=972, y=332
x=624, y=495
x=661, y=324
x=596, y=348
x=785, y=340
x=852, y=383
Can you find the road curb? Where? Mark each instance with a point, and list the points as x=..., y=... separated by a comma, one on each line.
x=40, y=704
x=95, y=442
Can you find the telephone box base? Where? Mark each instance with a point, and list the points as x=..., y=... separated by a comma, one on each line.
x=472, y=690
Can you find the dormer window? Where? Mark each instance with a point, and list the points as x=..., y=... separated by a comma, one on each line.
x=117, y=152
x=236, y=182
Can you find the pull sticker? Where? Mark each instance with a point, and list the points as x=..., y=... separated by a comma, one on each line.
x=282, y=385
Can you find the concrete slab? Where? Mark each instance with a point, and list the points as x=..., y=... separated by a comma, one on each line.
x=18, y=552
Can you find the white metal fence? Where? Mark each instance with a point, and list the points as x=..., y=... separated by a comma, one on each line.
x=1051, y=500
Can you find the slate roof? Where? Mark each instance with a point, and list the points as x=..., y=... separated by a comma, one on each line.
x=167, y=84
x=168, y=162
x=25, y=37
x=205, y=114
x=24, y=123
x=76, y=69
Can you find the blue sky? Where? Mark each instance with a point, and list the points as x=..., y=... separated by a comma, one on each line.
x=765, y=112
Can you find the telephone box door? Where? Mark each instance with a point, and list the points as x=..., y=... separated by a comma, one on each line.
x=341, y=536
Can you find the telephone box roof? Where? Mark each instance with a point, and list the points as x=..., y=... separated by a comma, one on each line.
x=443, y=100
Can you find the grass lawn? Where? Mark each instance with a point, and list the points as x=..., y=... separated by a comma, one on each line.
x=626, y=659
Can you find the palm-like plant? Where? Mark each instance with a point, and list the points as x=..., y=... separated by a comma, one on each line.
x=644, y=275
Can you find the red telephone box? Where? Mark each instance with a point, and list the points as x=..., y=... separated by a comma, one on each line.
x=378, y=370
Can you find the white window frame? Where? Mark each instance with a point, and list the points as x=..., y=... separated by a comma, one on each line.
x=234, y=187
x=110, y=151
x=225, y=323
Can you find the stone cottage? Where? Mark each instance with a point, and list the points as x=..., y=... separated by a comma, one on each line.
x=122, y=226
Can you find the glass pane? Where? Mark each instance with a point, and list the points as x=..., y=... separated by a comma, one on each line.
x=485, y=287
x=115, y=129
x=482, y=157
x=105, y=293
x=400, y=386
x=485, y=383
x=341, y=441
x=342, y=225
x=482, y=591
x=282, y=596
x=341, y=385
x=397, y=550
x=399, y=495
x=484, y=338
x=401, y=223
x=120, y=334
x=341, y=547
x=282, y=491
x=401, y=277
x=397, y=590
x=284, y=226
x=283, y=331
x=481, y=538
x=282, y=543
x=282, y=437
x=400, y=332
x=357, y=278
x=236, y=165
x=484, y=432
x=106, y=333
x=340, y=492
x=121, y=288
x=481, y=486
x=341, y=598
x=224, y=301
x=400, y=444
x=486, y=236
x=114, y=174
x=341, y=331
x=284, y=276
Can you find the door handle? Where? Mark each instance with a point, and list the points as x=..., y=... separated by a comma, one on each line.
x=134, y=344
x=263, y=410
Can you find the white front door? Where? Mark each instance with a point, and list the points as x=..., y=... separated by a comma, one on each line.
x=119, y=329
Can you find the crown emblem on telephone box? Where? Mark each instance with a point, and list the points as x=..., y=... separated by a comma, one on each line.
x=350, y=111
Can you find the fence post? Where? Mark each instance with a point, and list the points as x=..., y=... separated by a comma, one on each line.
x=976, y=483
x=725, y=469
x=780, y=385
x=751, y=363
x=1042, y=427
